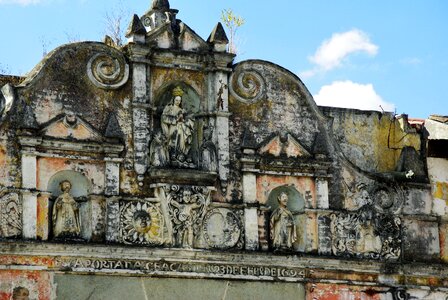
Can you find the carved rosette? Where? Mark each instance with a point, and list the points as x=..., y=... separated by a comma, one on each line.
x=247, y=85
x=366, y=233
x=108, y=71
x=141, y=223
x=10, y=216
x=222, y=229
x=187, y=208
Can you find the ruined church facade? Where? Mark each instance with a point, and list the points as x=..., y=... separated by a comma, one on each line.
x=163, y=169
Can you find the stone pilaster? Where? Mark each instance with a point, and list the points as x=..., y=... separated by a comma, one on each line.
x=140, y=103
x=112, y=219
x=29, y=214
x=221, y=102
x=112, y=183
x=322, y=193
x=250, y=213
x=29, y=194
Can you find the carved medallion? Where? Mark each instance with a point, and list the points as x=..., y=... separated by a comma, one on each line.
x=387, y=199
x=10, y=216
x=141, y=223
x=222, y=228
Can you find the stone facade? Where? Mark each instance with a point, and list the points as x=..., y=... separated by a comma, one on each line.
x=187, y=175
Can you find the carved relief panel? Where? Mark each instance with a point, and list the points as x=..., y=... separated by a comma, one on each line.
x=373, y=230
x=10, y=216
x=187, y=207
x=222, y=229
x=142, y=223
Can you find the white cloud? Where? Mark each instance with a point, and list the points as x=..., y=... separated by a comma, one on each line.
x=413, y=61
x=332, y=52
x=20, y=2
x=352, y=95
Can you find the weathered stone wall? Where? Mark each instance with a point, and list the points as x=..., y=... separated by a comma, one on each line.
x=161, y=170
x=371, y=140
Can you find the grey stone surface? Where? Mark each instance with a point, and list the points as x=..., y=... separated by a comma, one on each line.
x=79, y=287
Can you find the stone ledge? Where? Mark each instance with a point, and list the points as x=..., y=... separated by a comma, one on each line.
x=133, y=261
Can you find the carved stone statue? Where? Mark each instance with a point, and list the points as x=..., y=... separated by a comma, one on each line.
x=209, y=158
x=177, y=127
x=66, y=222
x=159, y=156
x=283, y=229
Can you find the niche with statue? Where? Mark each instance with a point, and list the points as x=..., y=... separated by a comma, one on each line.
x=286, y=219
x=182, y=136
x=71, y=207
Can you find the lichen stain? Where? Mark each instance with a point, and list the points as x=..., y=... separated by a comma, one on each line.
x=444, y=242
x=162, y=77
x=440, y=190
x=42, y=226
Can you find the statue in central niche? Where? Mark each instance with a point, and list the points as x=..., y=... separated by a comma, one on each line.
x=178, y=129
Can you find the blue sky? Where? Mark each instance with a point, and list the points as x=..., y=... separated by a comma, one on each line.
x=360, y=54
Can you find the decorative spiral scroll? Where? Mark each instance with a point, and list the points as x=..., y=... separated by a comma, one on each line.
x=247, y=85
x=108, y=72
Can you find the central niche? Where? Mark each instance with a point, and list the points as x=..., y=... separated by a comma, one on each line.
x=175, y=134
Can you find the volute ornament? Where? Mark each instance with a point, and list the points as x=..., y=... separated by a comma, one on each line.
x=247, y=85
x=107, y=71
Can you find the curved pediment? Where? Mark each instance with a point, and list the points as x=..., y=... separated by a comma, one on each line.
x=266, y=99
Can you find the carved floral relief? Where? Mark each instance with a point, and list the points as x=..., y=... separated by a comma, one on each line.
x=187, y=208
x=372, y=231
x=10, y=216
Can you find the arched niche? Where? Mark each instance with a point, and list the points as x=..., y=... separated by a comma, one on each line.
x=80, y=184
x=191, y=106
x=296, y=205
x=191, y=101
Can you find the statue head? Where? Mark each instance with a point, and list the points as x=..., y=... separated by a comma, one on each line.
x=186, y=196
x=142, y=221
x=20, y=293
x=70, y=118
x=283, y=199
x=177, y=96
x=65, y=186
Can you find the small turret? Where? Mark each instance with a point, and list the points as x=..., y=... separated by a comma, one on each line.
x=218, y=38
x=136, y=31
